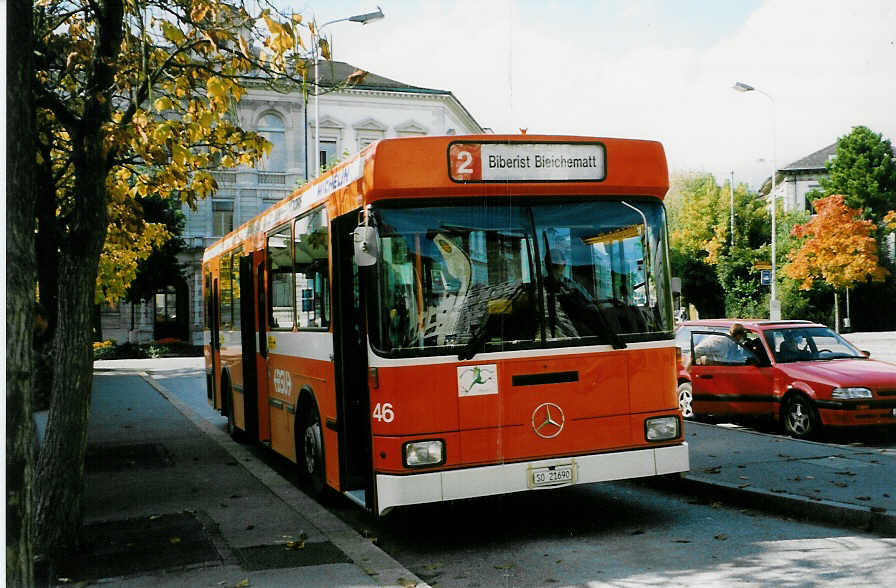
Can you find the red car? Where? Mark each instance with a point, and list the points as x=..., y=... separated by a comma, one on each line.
x=802, y=374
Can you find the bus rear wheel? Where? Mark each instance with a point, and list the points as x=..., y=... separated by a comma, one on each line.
x=311, y=459
x=227, y=400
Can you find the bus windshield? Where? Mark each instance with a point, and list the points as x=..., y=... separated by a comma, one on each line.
x=470, y=278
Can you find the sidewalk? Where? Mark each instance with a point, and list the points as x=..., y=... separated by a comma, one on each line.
x=171, y=500
x=843, y=486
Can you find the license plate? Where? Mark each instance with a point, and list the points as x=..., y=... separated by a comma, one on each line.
x=558, y=475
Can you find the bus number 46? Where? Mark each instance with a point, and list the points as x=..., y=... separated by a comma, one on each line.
x=383, y=412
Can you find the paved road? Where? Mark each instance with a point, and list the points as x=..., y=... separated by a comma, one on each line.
x=637, y=533
x=881, y=345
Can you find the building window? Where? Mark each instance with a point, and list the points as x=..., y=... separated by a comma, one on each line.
x=271, y=127
x=222, y=217
x=166, y=305
x=328, y=152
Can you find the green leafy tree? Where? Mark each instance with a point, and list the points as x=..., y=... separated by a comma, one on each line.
x=134, y=98
x=698, y=227
x=863, y=170
x=716, y=267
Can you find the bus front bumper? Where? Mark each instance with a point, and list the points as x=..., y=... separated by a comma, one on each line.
x=490, y=480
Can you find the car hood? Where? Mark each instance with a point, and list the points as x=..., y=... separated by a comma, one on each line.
x=844, y=372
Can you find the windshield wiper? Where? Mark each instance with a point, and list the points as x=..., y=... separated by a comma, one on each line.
x=480, y=335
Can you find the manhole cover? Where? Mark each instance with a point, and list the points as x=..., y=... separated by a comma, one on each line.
x=115, y=458
x=125, y=547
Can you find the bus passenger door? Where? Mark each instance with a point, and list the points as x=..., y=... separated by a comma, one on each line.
x=215, y=345
x=247, y=339
x=350, y=357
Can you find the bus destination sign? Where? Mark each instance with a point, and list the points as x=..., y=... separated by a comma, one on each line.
x=527, y=162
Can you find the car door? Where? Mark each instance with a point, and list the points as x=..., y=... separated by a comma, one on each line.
x=726, y=378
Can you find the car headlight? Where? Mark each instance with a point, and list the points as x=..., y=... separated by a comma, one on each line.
x=424, y=453
x=661, y=428
x=850, y=393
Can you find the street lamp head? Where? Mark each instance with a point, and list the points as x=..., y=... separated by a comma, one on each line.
x=368, y=17
x=742, y=87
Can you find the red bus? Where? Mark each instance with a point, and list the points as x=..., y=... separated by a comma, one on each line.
x=441, y=318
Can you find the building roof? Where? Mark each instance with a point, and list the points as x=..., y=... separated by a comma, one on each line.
x=812, y=162
x=335, y=73
x=331, y=73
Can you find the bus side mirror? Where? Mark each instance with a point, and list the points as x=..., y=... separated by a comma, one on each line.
x=366, y=245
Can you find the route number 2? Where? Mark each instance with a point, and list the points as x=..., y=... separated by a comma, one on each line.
x=383, y=412
x=465, y=161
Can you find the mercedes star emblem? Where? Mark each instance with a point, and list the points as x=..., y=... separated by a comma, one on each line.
x=548, y=420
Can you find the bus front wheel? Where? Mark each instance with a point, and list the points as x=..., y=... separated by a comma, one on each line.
x=311, y=460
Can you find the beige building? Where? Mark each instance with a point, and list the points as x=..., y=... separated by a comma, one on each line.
x=349, y=120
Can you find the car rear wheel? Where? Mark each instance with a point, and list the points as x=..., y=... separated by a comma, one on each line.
x=800, y=417
x=685, y=398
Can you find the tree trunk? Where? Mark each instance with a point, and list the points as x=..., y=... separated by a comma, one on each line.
x=47, y=248
x=60, y=476
x=20, y=276
x=60, y=480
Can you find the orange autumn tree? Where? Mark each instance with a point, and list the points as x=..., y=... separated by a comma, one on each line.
x=838, y=248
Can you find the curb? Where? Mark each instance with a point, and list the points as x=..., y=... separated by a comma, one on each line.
x=828, y=512
x=375, y=562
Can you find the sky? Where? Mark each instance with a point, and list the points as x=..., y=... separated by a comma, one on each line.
x=647, y=69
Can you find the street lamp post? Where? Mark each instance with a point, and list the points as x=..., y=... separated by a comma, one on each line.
x=774, y=303
x=361, y=18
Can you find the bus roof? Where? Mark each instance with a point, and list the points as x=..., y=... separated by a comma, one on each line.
x=461, y=166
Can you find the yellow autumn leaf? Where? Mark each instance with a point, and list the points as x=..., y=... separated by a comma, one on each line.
x=179, y=154
x=199, y=11
x=244, y=47
x=163, y=103
x=275, y=27
x=172, y=33
x=324, y=48
x=217, y=87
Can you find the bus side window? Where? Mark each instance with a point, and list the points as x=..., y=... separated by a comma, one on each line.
x=226, y=316
x=280, y=280
x=311, y=254
x=235, y=288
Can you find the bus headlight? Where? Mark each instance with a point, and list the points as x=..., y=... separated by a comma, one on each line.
x=850, y=393
x=661, y=428
x=424, y=453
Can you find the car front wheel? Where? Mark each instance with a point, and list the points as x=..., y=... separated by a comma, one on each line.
x=685, y=398
x=800, y=417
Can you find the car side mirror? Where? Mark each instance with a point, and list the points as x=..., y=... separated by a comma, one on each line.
x=366, y=241
x=866, y=353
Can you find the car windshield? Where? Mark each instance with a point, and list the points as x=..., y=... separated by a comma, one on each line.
x=809, y=344
x=464, y=279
